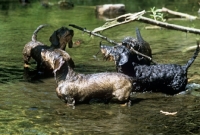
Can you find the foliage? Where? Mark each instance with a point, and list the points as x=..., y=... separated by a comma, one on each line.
x=156, y=15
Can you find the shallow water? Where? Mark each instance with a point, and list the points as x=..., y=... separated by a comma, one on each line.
x=33, y=107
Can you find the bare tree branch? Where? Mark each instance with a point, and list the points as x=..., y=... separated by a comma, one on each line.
x=109, y=40
x=126, y=18
x=93, y=33
x=138, y=17
x=169, y=26
x=191, y=17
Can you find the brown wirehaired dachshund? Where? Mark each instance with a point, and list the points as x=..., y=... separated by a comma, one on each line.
x=58, y=39
x=75, y=88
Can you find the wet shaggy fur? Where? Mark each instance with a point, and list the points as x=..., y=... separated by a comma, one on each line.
x=139, y=45
x=58, y=39
x=129, y=43
x=76, y=88
x=167, y=78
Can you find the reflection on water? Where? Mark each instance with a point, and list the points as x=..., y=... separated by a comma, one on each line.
x=33, y=107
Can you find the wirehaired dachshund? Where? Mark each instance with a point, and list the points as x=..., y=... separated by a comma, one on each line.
x=138, y=44
x=167, y=78
x=58, y=39
x=80, y=88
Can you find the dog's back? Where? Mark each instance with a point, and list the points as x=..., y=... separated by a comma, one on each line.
x=32, y=44
x=167, y=78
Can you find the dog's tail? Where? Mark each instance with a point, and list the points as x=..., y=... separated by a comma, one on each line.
x=189, y=63
x=34, y=36
x=139, y=37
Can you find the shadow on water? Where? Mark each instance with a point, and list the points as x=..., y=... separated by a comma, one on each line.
x=30, y=106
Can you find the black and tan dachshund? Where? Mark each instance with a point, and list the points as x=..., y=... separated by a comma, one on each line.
x=138, y=44
x=58, y=39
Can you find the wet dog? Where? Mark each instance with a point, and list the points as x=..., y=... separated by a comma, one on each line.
x=58, y=39
x=138, y=44
x=167, y=78
x=76, y=88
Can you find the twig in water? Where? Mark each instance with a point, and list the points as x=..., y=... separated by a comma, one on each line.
x=109, y=40
x=93, y=33
x=168, y=113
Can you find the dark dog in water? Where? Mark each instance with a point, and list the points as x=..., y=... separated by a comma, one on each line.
x=74, y=87
x=167, y=78
x=129, y=43
x=58, y=39
x=139, y=45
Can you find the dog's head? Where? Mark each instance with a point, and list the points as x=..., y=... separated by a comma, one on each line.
x=106, y=51
x=130, y=42
x=56, y=58
x=118, y=53
x=61, y=37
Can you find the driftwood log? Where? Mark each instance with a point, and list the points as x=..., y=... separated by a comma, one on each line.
x=126, y=18
x=182, y=15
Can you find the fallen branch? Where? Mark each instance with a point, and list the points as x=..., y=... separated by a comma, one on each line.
x=137, y=17
x=109, y=40
x=93, y=33
x=152, y=27
x=190, y=17
x=168, y=113
x=133, y=50
x=191, y=48
x=169, y=26
x=126, y=18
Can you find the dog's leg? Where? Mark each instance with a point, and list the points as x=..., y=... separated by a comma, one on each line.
x=128, y=103
x=70, y=102
x=26, y=60
x=107, y=100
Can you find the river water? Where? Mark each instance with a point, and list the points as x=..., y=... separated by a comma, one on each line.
x=32, y=107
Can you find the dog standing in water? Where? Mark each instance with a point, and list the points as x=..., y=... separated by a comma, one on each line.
x=58, y=39
x=166, y=78
x=76, y=88
x=126, y=48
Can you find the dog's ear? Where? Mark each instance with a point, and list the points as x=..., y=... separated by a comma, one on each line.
x=58, y=64
x=70, y=44
x=54, y=39
x=123, y=59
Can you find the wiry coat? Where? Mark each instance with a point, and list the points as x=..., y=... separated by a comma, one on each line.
x=77, y=87
x=139, y=45
x=166, y=78
x=125, y=49
x=58, y=39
